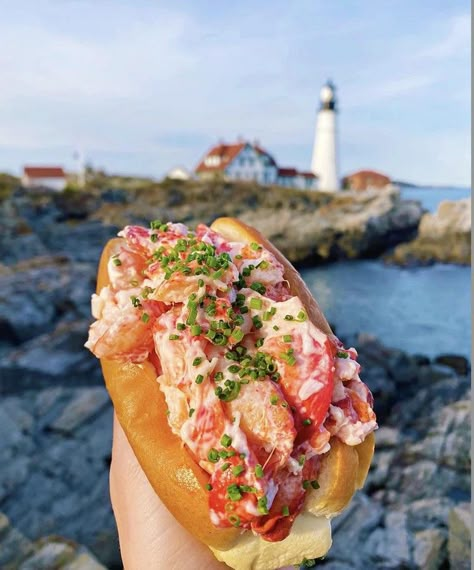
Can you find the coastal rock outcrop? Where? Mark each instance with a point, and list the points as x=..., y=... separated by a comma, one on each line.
x=444, y=236
x=57, y=443
x=307, y=226
x=17, y=552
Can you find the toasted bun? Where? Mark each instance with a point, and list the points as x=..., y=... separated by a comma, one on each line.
x=141, y=410
x=180, y=482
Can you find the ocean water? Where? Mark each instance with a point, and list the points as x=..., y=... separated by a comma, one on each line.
x=425, y=310
x=431, y=197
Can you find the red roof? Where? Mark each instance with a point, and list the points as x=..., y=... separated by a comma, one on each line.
x=44, y=172
x=287, y=172
x=307, y=175
x=226, y=154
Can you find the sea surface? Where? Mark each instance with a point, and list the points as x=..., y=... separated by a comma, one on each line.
x=422, y=310
x=431, y=197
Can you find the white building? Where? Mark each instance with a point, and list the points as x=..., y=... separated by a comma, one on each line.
x=52, y=177
x=238, y=161
x=325, y=160
x=247, y=161
x=179, y=173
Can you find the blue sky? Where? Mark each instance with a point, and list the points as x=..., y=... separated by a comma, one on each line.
x=146, y=85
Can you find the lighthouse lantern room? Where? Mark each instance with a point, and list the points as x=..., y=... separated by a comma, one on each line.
x=325, y=161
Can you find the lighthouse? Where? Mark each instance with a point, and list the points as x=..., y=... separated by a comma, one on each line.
x=324, y=163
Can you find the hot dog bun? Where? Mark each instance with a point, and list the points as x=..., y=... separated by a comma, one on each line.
x=179, y=481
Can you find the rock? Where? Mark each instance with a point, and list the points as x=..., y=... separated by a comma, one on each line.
x=458, y=363
x=88, y=403
x=348, y=225
x=380, y=469
x=14, y=546
x=389, y=547
x=49, y=555
x=430, y=551
x=353, y=526
x=459, y=543
x=37, y=294
x=79, y=242
x=428, y=513
x=402, y=368
x=51, y=359
x=55, y=479
x=448, y=442
x=387, y=437
x=443, y=237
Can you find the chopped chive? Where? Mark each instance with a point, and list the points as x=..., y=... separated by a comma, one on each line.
x=213, y=455
x=273, y=399
x=209, y=487
x=257, y=323
x=262, y=505
x=306, y=484
x=226, y=440
x=237, y=470
x=225, y=466
x=234, y=520
x=174, y=337
x=145, y=317
x=244, y=310
x=199, y=379
x=255, y=246
x=201, y=283
x=117, y=261
x=301, y=316
x=285, y=511
x=191, y=412
x=307, y=422
x=287, y=338
x=259, y=342
x=233, y=492
x=255, y=303
x=342, y=355
x=234, y=368
x=197, y=361
x=237, y=334
x=289, y=318
x=196, y=330
x=315, y=484
x=301, y=459
x=259, y=287
x=258, y=471
x=276, y=328
x=181, y=326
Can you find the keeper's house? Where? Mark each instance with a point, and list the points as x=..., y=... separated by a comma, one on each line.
x=247, y=161
x=52, y=177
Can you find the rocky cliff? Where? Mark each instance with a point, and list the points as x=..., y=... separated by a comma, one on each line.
x=442, y=237
x=307, y=226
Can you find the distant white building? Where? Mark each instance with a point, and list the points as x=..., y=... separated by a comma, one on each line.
x=293, y=178
x=249, y=161
x=179, y=173
x=52, y=177
x=238, y=161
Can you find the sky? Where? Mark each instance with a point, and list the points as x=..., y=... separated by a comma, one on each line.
x=142, y=86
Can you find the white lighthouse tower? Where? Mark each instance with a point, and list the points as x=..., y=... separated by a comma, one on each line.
x=324, y=163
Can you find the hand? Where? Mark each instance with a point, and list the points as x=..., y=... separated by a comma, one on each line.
x=150, y=538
